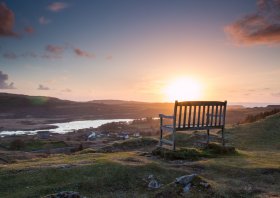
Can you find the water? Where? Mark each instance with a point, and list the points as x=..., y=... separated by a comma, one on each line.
x=67, y=127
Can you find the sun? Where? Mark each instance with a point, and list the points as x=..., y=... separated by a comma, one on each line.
x=183, y=89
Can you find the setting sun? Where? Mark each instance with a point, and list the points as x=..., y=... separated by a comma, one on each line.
x=183, y=89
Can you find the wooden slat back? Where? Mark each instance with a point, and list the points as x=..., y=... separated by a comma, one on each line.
x=199, y=114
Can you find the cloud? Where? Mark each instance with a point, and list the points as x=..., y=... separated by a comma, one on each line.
x=54, y=52
x=43, y=21
x=276, y=94
x=83, y=53
x=42, y=87
x=3, y=83
x=7, y=19
x=58, y=50
x=29, y=30
x=10, y=55
x=66, y=90
x=57, y=6
x=261, y=27
x=109, y=57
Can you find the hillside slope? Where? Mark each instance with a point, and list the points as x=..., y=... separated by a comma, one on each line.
x=261, y=135
x=253, y=172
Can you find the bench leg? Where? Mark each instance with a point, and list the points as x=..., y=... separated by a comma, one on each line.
x=160, y=143
x=208, y=138
x=160, y=138
x=173, y=137
x=223, y=137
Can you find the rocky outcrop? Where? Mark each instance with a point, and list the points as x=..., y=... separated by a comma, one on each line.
x=65, y=194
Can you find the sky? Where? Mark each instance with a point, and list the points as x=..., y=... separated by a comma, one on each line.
x=141, y=50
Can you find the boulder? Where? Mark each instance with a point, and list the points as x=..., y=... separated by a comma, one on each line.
x=185, y=180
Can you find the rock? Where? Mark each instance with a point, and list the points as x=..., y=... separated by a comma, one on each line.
x=185, y=180
x=154, y=184
x=204, y=184
x=151, y=177
x=65, y=194
x=187, y=188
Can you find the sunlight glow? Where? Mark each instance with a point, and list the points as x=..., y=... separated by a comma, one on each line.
x=183, y=89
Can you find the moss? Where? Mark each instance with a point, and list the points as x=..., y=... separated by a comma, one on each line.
x=214, y=148
x=181, y=154
x=129, y=145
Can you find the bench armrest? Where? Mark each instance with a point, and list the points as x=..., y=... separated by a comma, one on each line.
x=166, y=116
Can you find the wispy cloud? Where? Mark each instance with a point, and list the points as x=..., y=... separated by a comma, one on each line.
x=54, y=49
x=10, y=55
x=66, y=90
x=3, y=83
x=43, y=20
x=7, y=19
x=29, y=29
x=109, y=57
x=57, y=6
x=42, y=87
x=261, y=27
x=276, y=94
x=83, y=53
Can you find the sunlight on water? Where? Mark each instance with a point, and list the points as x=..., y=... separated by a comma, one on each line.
x=67, y=127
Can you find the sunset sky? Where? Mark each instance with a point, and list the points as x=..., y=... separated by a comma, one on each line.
x=138, y=50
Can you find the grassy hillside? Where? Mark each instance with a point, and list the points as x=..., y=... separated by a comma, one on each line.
x=253, y=172
x=261, y=135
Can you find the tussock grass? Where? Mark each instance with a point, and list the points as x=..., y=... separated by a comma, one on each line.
x=103, y=178
x=212, y=150
x=130, y=144
x=261, y=135
x=253, y=172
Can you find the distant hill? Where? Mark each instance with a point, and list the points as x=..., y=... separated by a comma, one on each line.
x=117, y=102
x=24, y=106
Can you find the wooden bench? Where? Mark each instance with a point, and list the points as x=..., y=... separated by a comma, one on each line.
x=194, y=115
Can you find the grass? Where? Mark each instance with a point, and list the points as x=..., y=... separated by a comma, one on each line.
x=130, y=144
x=212, y=150
x=102, y=177
x=38, y=145
x=253, y=172
x=261, y=135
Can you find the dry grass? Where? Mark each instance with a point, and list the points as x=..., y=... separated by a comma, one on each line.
x=254, y=172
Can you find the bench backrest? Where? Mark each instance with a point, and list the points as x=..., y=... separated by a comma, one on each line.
x=195, y=115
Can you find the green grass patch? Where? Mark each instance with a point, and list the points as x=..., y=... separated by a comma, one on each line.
x=260, y=135
x=181, y=154
x=102, y=179
x=130, y=144
x=33, y=145
x=212, y=150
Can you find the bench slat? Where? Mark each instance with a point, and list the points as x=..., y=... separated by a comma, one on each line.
x=180, y=113
x=185, y=114
x=190, y=115
x=203, y=114
x=194, y=115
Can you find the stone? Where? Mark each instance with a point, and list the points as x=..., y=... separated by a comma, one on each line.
x=151, y=177
x=204, y=184
x=187, y=188
x=185, y=180
x=65, y=194
x=154, y=184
